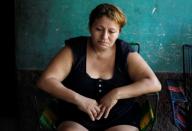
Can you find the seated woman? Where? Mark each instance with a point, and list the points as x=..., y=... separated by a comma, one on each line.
x=97, y=77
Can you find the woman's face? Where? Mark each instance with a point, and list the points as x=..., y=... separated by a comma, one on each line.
x=104, y=32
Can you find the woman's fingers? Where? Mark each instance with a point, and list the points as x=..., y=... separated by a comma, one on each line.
x=93, y=112
x=97, y=108
x=102, y=110
x=106, y=113
x=91, y=115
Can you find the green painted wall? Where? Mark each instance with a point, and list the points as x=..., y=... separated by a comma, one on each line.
x=160, y=26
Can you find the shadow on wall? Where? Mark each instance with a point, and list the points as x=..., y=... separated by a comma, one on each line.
x=32, y=25
x=32, y=17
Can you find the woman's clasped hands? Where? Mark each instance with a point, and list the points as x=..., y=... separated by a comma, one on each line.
x=96, y=110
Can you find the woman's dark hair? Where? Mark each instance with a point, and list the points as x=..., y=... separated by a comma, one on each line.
x=110, y=11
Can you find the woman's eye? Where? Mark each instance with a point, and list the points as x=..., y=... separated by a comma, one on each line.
x=111, y=32
x=98, y=29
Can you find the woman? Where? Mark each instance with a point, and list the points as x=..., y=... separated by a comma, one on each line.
x=97, y=77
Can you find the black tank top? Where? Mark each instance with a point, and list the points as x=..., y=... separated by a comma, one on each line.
x=78, y=79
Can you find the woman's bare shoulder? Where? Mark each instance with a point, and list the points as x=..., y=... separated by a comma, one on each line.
x=60, y=65
x=138, y=68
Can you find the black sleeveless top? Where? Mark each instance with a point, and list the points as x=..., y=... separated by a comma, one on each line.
x=78, y=79
x=125, y=112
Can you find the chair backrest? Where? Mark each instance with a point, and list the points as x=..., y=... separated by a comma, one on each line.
x=135, y=46
x=150, y=106
x=187, y=70
x=187, y=75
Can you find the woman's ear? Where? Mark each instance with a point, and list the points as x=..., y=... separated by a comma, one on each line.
x=119, y=30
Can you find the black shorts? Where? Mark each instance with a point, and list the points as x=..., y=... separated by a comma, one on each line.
x=123, y=113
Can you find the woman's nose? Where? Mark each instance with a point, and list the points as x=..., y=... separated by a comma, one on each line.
x=105, y=35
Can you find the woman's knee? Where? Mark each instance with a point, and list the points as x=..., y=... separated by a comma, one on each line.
x=123, y=128
x=71, y=126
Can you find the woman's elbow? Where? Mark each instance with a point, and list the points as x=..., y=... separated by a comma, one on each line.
x=157, y=85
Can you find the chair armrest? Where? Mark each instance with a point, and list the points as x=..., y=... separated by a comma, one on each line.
x=44, y=106
x=149, y=105
x=153, y=99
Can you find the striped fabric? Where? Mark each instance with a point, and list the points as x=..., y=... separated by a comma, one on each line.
x=47, y=119
x=148, y=117
x=178, y=104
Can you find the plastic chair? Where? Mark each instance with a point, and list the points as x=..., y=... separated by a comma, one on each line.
x=149, y=105
x=46, y=106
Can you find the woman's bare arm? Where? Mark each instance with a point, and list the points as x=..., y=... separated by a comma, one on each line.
x=55, y=73
x=50, y=81
x=145, y=80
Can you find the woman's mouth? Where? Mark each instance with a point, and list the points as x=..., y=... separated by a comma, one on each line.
x=103, y=42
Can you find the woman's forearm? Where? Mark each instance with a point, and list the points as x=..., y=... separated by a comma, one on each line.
x=57, y=89
x=138, y=88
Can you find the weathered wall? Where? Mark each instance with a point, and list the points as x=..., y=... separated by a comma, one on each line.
x=161, y=27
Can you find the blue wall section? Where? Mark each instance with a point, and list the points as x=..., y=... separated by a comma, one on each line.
x=161, y=27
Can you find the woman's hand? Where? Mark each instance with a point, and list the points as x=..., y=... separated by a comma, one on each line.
x=107, y=103
x=89, y=106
